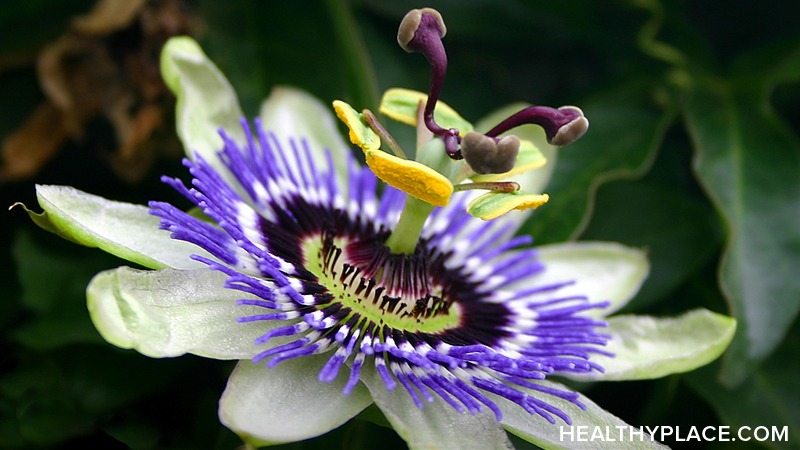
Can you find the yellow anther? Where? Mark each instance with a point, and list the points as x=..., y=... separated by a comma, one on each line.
x=495, y=204
x=529, y=158
x=360, y=132
x=518, y=169
x=410, y=177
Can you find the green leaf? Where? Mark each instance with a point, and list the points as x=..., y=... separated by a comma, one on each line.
x=85, y=384
x=777, y=61
x=52, y=331
x=401, y=105
x=102, y=379
x=537, y=430
x=206, y=101
x=437, y=424
x=122, y=229
x=297, y=48
x=43, y=21
x=10, y=435
x=53, y=282
x=66, y=280
x=769, y=397
x=602, y=271
x=167, y=313
x=288, y=402
x=681, y=233
x=748, y=161
x=362, y=84
x=31, y=374
x=625, y=134
x=134, y=435
x=49, y=419
x=646, y=347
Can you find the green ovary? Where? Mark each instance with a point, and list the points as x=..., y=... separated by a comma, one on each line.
x=425, y=313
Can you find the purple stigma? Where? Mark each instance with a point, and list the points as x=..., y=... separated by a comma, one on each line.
x=562, y=126
x=421, y=31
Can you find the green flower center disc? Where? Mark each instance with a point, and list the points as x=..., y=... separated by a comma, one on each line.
x=401, y=294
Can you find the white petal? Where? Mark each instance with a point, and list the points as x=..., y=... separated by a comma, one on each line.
x=601, y=271
x=437, y=425
x=167, y=313
x=537, y=430
x=292, y=113
x=288, y=403
x=649, y=347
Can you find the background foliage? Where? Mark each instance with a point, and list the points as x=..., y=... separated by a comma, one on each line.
x=692, y=153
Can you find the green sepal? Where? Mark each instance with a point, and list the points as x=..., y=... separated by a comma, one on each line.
x=401, y=105
x=167, y=313
x=206, y=101
x=43, y=221
x=122, y=229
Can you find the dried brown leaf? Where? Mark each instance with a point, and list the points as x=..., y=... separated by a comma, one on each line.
x=106, y=66
x=108, y=16
x=33, y=144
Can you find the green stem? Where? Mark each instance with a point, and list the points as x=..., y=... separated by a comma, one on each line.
x=406, y=234
x=361, y=81
x=647, y=37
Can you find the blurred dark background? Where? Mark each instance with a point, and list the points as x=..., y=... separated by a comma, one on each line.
x=692, y=154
